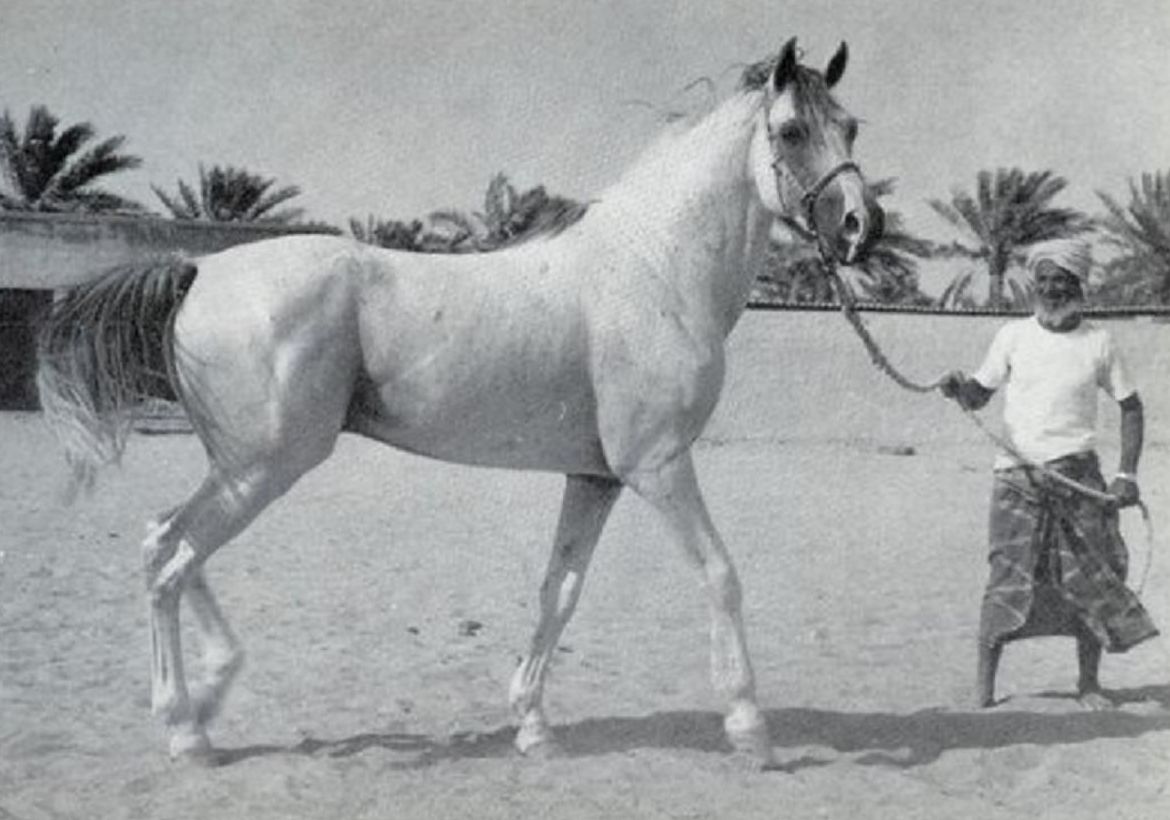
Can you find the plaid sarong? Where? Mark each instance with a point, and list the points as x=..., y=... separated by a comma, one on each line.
x=1058, y=562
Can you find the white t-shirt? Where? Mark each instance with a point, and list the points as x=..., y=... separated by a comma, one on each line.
x=1050, y=404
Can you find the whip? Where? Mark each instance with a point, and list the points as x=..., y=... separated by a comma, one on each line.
x=882, y=362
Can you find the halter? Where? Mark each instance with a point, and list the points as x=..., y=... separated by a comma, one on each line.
x=810, y=194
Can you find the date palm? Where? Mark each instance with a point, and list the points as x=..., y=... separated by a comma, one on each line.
x=1141, y=232
x=509, y=216
x=229, y=194
x=388, y=233
x=49, y=170
x=1009, y=210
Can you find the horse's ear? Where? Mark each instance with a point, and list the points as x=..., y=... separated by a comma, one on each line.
x=785, y=66
x=837, y=65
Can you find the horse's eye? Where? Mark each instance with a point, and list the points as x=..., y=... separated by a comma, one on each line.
x=851, y=130
x=793, y=133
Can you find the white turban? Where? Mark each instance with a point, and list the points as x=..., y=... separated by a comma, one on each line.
x=1071, y=255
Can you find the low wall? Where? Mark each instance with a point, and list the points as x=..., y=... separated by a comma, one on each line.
x=805, y=376
x=50, y=251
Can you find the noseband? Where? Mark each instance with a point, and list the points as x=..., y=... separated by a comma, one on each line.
x=808, y=200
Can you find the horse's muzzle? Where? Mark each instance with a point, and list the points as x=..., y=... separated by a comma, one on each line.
x=858, y=231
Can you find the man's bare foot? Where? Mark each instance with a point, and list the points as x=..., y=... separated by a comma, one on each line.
x=1095, y=700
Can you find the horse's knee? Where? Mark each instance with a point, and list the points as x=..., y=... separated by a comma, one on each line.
x=166, y=582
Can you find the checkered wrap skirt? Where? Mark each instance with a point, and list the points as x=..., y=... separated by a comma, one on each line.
x=1058, y=562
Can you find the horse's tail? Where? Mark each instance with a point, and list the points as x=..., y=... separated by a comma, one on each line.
x=104, y=348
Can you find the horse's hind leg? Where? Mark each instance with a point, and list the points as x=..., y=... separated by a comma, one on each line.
x=584, y=510
x=164, y=560
x=674, y=490
x=222, y=656
x=221, y=652
x=173, y=556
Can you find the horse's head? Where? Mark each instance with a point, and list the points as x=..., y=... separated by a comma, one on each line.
x=801, y=157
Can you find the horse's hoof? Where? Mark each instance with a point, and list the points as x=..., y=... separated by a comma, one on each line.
x=537, y=742
x=752, y=741
x=192, y=747
x=544, y=750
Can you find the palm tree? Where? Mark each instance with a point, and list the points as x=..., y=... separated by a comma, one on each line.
x=889, y=272
x=1141, y=231
x=1009, y=211
x=508, y=216
x=793, y=273
x=388, y=233
x=228, y=194
x=796, y=273
x=47, y=170
x=452, y=231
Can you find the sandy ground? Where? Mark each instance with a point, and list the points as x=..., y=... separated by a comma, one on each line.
x=366, y=695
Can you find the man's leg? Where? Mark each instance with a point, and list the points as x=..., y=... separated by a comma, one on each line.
x=1089, y=691
x=987, y=666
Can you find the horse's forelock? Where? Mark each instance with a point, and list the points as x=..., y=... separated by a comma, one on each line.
x=811, y=93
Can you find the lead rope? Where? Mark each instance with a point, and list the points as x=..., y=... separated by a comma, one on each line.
x=882, y=362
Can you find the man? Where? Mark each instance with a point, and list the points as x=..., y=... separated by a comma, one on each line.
x=1057, y=562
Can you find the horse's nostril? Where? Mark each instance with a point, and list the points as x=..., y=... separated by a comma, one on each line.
x=852, y=224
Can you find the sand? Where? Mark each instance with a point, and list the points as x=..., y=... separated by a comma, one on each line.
x=856, y=514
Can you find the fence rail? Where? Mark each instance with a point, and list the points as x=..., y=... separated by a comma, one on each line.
x=1157, y=312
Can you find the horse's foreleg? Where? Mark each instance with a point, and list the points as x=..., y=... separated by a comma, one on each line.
x=674, y=490
x=584, y=510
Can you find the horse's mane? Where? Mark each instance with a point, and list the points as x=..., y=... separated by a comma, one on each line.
x=811, y=95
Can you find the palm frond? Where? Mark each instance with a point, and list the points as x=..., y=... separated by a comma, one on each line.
x=100, y=161
x=955, y=293
x=264, y=207
x=174, y=207
x=1141, y=230
x=43, y=169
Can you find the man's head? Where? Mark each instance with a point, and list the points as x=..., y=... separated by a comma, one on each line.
x=1060, y=274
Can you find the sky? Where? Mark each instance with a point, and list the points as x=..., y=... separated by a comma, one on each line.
x=395, y=108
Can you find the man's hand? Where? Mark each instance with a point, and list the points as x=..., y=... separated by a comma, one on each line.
x=951, y=383
x=1126, y=491
x=969, y=393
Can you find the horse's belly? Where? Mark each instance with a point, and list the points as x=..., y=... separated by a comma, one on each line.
x=498, y=424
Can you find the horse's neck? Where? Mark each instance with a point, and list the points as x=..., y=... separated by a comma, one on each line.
x=688, y=213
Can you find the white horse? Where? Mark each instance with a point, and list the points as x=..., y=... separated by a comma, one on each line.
x=597, y=352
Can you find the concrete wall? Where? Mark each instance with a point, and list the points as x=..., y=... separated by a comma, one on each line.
x=49, y=251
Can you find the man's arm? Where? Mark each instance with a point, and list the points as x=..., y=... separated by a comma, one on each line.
x=1133, y=428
